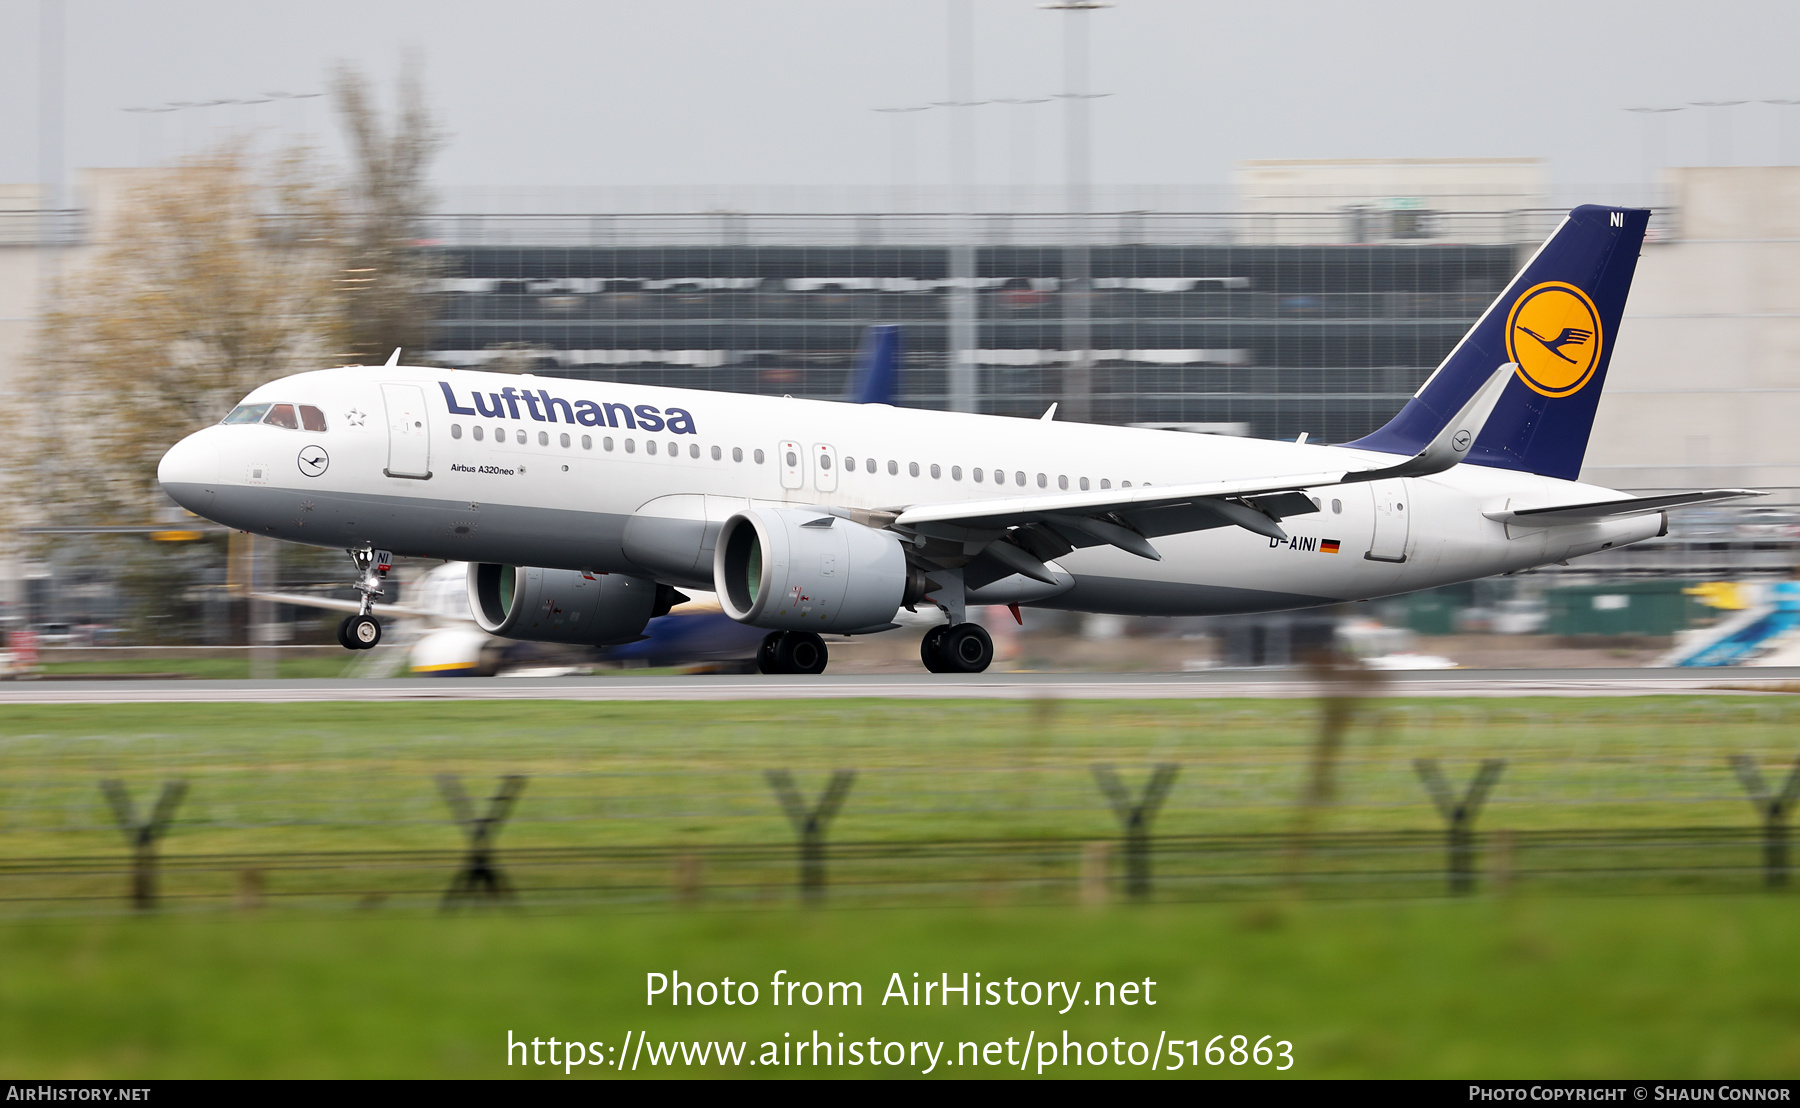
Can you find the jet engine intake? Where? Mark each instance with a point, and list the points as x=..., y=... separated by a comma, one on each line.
x=561, y=605
x=803, y=570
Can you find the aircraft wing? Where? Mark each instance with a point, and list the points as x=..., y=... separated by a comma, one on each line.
x=1612, y=509
x=1017, y=534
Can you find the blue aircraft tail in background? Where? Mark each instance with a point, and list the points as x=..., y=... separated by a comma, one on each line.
x=877, y=372
x=1558, y=320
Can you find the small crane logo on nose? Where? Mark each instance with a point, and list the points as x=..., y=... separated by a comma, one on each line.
x=314, y=460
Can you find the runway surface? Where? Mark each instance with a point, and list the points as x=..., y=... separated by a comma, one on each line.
x=987, y=686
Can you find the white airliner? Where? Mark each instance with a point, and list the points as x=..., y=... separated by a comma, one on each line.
x=583, y=506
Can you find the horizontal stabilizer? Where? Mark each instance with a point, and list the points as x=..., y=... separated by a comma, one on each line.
x=1612, y=509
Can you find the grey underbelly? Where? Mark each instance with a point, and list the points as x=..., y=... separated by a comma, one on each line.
x=554, y=538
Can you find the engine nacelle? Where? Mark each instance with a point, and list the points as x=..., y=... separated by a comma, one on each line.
x=795, y=569
x=560, y=605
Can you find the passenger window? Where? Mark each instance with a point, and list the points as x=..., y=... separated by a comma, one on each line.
x=456, y=430
x=606, y=443
x=1084, y=484
x=693, y=450
x=587, y=442
x=1105, y=483
x=935, y=471
x=311, y=418
x=1337, y=507
x=247, y=413
x=976, y=473
x=519, y=437
x=674, y=450
x=282, y=415
x=869, y=464
x=477, y=432
x=756, y=457
x=849, y=464
x=543, y=438
x=1019, y=478
x=631, y=446
x=792, y=459
x=955, y=473
x=716, y=453
x=1062, y=481
x=1043, y=482
x=737, y=453
x=893, y=468
x=565, y=440
x=499, y=434
x=824, y=460
x=649, y=446
x=912, y=469
x=1124, y=484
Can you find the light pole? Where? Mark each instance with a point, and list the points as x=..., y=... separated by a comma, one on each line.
x=963, y=336
x=1077, y=283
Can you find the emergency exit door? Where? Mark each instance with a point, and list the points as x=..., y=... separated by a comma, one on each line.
x=409, y=432
x=1392, y=510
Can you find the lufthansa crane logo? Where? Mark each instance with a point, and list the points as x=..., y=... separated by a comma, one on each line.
x=1554, y=335
x=313, y=461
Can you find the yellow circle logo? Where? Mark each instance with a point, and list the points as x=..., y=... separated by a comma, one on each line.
x=1554, y=335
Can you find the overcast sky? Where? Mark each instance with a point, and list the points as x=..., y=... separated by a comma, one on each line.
x=698, y=92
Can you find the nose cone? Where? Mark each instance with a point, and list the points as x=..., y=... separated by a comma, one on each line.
x=189, y=472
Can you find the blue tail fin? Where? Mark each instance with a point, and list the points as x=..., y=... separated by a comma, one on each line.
x=877, y=366
x=1558, y=319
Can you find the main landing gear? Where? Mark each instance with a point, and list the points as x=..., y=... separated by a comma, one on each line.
x=792, y=652
x=363, y=631
x=957, y=648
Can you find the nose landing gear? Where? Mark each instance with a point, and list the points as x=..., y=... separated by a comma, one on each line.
x=363, y=631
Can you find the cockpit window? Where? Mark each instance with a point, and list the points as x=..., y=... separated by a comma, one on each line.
x=311, y=418
x=247, y=413
x=282, y=415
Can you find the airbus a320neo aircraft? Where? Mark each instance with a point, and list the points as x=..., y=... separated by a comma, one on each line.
x=584, y=506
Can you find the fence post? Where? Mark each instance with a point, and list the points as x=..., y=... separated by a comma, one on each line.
x=143, y=836
x=479, y=877
x=1774, y=811
x=1136, y=819
x=1460, y=816
x=811, y=824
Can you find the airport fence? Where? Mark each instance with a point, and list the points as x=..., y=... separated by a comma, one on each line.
x=1351, y=797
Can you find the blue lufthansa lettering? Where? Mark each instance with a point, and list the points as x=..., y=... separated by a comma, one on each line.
x=568, y=412
x=450, y=399
x=588, y=413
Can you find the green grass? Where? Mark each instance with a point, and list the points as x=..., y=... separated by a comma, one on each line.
x=359, y=776
x=209, y=669
x=1673, y=985
x=1661, y=987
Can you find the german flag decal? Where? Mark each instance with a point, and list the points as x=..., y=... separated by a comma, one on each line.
x=1328, y=546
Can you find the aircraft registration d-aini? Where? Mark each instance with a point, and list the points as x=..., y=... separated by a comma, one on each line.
x=583, y=506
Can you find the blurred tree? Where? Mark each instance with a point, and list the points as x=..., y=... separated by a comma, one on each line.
x=218, y=275
x=387, y=279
